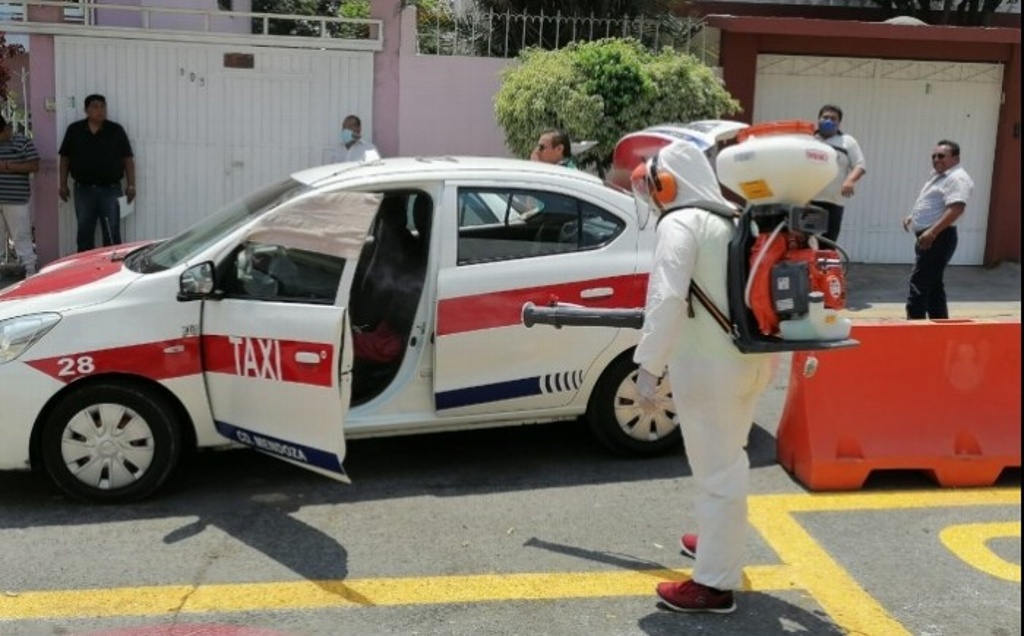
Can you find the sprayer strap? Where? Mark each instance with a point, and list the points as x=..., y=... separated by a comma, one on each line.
x=716, y=313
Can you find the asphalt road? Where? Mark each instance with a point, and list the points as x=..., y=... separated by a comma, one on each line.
x=532, y=530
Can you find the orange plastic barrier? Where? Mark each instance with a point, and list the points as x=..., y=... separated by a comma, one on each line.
x=940, y=396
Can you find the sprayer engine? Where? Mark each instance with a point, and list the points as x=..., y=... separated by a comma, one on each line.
x=788, y=273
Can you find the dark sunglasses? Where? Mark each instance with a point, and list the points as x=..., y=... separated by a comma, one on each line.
x=541, y=147
x=939, y=156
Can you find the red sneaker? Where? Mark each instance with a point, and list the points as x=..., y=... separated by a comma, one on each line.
x=688, y=545
x=691, y=596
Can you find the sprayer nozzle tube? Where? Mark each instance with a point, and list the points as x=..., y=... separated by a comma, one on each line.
x=563, y=316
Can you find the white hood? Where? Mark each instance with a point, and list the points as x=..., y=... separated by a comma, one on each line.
x=696, y=183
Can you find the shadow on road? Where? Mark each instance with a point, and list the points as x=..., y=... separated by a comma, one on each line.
x=756, y=613
x=252, y=497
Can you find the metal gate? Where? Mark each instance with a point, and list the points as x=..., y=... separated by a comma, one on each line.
x=897, y=110
x=209, y=122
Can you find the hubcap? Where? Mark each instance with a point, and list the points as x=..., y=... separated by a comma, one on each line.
x=107, y=446
x=640, y=424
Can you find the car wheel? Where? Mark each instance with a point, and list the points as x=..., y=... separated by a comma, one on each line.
x=618, y=422
x=110, y=443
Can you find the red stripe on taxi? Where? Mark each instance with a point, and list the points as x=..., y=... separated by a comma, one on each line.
x=505, y=308
x=269, y=359
x=156, y=360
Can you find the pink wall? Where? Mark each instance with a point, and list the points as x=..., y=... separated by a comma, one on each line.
x=386, y=78
x=447, y=102
x=43, y=86
x=448, y=106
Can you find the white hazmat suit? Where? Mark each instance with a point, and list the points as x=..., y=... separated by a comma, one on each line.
x=714, y=387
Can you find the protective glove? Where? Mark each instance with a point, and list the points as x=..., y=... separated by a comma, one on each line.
x=647, y=389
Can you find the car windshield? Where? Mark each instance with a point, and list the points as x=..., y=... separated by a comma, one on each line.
x=208, y=231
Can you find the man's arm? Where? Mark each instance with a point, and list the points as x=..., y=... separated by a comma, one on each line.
x=668, y=288
x=65, y=166
x=129, y=174
x=859, y=168
x=26, y=163
x=26, y=167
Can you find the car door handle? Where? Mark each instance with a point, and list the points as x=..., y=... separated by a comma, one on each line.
x=307, y=357
x=597, y=292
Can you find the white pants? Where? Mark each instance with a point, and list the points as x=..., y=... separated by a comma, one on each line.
x=19, y=222
x=715, y=400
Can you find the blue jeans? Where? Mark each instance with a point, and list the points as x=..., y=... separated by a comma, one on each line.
x=927, y=297
x=97, y=204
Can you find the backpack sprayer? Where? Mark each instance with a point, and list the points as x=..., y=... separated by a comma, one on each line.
x=786, y=283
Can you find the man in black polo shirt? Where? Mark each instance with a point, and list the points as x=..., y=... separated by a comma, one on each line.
x=98, y=155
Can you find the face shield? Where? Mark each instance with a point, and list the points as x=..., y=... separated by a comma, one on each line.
x=654, y=189
x=640, y=182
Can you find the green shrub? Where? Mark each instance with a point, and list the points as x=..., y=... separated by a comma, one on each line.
x=601, y=90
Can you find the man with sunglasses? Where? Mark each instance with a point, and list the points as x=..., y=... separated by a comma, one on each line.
x=554, y=147
x=932, y=220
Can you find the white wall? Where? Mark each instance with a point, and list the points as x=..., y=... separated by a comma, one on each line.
x=897, y=110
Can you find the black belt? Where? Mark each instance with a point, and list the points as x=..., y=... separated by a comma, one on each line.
x=920, y=232
x=99, y=185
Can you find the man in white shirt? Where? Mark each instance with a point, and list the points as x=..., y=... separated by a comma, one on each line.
x=933, y=221
x=353, y=146
x=851, y=168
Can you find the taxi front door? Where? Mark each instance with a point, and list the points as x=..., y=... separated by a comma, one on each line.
x=278, y=378
x=277, y=358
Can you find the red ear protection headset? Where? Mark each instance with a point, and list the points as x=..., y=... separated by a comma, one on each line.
x=649, y=181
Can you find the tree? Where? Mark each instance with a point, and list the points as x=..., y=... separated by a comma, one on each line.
x=503, y=28
x=318, y=8
x=598, y=91
x=7, y=51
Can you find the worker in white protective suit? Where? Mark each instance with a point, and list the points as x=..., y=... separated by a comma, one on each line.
x=714, y=387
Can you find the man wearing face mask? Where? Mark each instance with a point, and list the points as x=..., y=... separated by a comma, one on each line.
x=851, y=168
x=715, y=388
x=353, y=146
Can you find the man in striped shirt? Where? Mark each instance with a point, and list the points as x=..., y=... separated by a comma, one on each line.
x=18, y=159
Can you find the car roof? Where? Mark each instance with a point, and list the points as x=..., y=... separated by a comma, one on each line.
x=434, y=167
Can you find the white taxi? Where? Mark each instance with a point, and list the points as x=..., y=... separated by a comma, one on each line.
x=343, y=302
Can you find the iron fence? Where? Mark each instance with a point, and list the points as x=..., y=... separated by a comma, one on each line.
x=493, y=34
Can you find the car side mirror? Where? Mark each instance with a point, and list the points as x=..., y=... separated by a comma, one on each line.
x=197, y=282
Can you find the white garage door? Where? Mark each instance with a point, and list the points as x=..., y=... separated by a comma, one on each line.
x=897, y=110
x=203, y=134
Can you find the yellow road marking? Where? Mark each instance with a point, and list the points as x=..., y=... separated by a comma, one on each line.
x=906, y=500
x=806, y=566
x=304, y=595
x=846, y=602
x=967, y=541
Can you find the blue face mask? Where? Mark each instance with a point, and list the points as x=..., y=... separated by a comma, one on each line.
x=347, y=136
x=827, y=126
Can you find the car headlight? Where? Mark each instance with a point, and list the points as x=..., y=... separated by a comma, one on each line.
x=18, y=334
